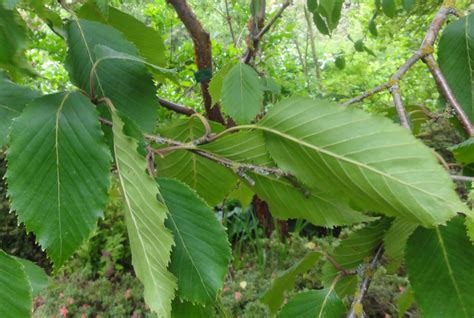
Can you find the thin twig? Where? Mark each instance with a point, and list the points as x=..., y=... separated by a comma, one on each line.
x=426, y=48
x=462, y=178
x=367, y=275
x=272, y=20
x=207, y=129
x=229, y=22
x=255, y=36
x=397, y=100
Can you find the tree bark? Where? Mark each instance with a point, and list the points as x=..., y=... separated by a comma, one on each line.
x=203, y=53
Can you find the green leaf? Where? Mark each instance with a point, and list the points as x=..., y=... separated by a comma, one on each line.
x=201, y=255
x=331, y=10
x=242, y=193
x=36, y=276
x=456, y=60
x=389, y=8
x=365, y=157
x=215, y=86
x=50, y=17
x=321, y=24
x=103, y=6
x=404, y=301
x=408, y=5
x=186, y=309
x=270, y=85
x=359, y=45
x=147, y=40
x=352, y=252
x=464, y=152
x=15, y=290
x=150, y=240
x=439, y=263
x=242, y=93
x=243, y=147
x=318, y=207
x=58, y=171
x=127, y=83
x=322, y=303
x=13, y=98
x=395, y=241
x=104, y=53
x=275, y=295
x=312, y=5
x=340, y=62
x=10, y=4
x=14, y=42
x=373, y=27
x=210, y=180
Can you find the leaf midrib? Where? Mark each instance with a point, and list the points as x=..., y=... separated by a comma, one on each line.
x=336, y=156
x=58, y=178
x=450, y=269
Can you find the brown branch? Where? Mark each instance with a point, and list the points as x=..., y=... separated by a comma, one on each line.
x=448, y=95
x=257, y=30
x=397, y=100
x=203, y=53
x=367, y=275
x=272, y=21
x=177, y=108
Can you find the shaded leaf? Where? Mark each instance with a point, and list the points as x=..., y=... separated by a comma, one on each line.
x=186, y=309
x=408, y=5
x=389, y=8
x=215, y=85
x=404, y=301
x=13, y=41
x=150, y=240
x=367, y=158
x=352, y=252
x=58, y=171
x=147, y=40
x=127, y=83
x=274, y=296
x=395, y=241
x=340, y=62
x=36, y=276
x=15, y=290
x=242, y=93
x=318, y=207
x=242, y=193
x=464, y=152
x=373, y=27
x=243, y=147
x=456, y=60
x=201, y=255
x=439, y=263
x=103, y=6
x=210, y=180
x=13, y=98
